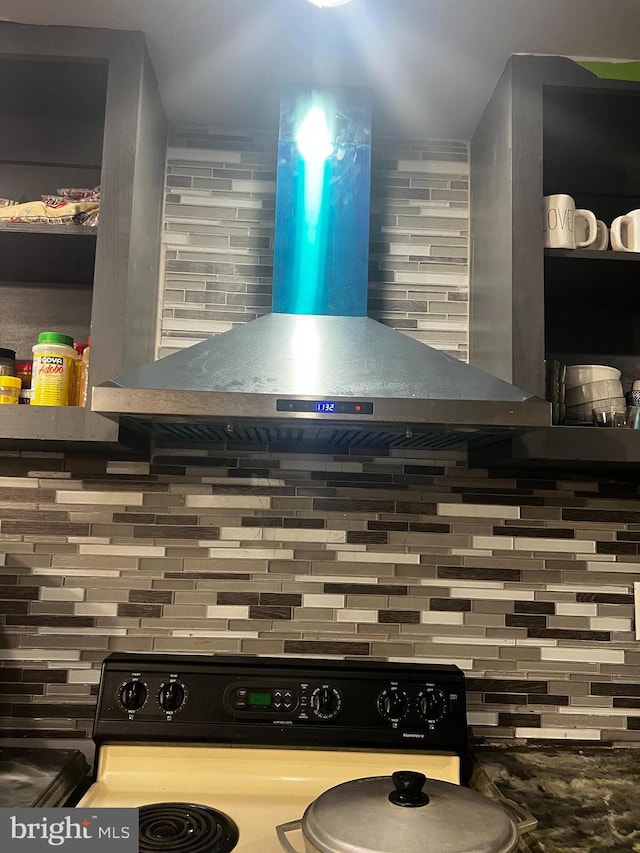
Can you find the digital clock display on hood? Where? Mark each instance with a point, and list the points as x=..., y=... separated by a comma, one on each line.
x=325, y=407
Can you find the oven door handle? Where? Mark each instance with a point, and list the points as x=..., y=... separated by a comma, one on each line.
x=281, y=832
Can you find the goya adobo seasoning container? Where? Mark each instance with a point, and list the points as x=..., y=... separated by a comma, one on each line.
x=53, y=364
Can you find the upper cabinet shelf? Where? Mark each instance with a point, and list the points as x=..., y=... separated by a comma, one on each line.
x=36, y=252
x=566, y=448
x=79, y=108
x=553, y=127
x=50, y=230
x=591, y=255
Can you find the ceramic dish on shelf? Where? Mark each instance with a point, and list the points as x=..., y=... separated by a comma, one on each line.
x=581, y=374
x=600, y=390
x=617, y=403
x=578, y=420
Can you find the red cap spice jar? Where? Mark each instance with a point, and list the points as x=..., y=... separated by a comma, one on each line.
x=24, y=370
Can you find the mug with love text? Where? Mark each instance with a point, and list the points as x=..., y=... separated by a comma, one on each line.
x=560, y=217
x=625, y=232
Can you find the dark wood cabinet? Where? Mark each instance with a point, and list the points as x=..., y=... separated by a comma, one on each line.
x=552, y=126
x=79, y=108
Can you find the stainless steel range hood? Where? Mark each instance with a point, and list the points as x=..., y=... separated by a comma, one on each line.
x=317, y=372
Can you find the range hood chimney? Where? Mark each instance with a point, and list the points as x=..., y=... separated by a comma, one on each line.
x=317, y=372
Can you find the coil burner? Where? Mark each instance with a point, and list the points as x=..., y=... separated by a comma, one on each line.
x=185, y=828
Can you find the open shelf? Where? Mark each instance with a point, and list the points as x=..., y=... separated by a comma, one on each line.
x=592, y=255
x=568, y=448
x=42, y=422
x=52, y=112
x=553, y=127
x=54, y=253
x=79, y=107
x=51, y=230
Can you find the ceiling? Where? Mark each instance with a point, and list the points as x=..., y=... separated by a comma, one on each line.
x=431, y=64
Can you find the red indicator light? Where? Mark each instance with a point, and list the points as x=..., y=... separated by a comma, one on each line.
x=357, y=408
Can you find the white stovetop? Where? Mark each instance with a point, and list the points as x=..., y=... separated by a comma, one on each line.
x=257, y=788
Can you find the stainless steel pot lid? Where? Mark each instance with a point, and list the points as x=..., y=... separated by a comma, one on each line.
x=407, y=813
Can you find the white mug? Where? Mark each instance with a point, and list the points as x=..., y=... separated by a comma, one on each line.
x=560, y=215
x=625, y=232
x=601, y=242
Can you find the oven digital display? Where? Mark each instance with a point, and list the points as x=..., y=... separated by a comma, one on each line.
x=258, y=700
x=325, y=406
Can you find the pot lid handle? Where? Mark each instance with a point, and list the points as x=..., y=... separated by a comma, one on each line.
x=408, y=790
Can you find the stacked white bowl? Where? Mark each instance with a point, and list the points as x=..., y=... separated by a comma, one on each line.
x=591, y=386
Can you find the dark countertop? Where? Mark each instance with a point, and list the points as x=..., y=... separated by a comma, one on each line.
x=39, y=777
x=584, y=798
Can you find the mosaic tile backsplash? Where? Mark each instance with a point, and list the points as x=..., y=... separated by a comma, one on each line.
x=523, y=581
x=219, y=225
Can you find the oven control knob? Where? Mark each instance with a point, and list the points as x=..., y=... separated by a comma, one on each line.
x=326, y=702
x=432, y=704
x=133, y=695
x=171, y=696
x=393, y=705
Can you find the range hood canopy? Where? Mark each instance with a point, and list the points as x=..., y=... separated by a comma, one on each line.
x=317, y=372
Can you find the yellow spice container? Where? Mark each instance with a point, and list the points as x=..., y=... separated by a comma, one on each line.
x=53, y=364
x=9, y=389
